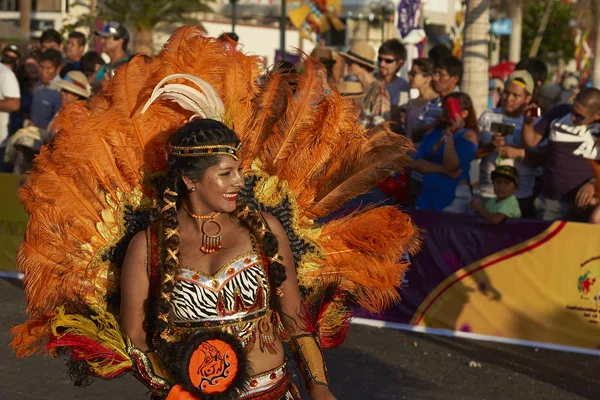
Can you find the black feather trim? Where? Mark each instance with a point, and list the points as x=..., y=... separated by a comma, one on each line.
x=181, y=355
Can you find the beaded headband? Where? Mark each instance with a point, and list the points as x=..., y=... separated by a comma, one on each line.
x=215, y=150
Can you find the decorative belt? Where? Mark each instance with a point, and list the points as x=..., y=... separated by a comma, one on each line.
x=272, y=384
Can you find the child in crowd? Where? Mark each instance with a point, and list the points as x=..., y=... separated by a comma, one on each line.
x=505, y=179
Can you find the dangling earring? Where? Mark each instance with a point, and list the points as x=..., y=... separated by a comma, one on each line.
x=193, y=189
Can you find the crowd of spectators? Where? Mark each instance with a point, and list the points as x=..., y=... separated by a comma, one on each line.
x=37, y=80
x=531, y=154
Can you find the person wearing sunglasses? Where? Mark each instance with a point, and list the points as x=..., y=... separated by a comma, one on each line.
x=568, y=190
x=391, y=58
x=376, y=103
x=114, y=39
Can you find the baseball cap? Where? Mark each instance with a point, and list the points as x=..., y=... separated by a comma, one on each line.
x=506, y=171
x=113, y=29
x=12, y=48
x=523, y=79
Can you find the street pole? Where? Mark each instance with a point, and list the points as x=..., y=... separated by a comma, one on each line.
x=282, y=26
x=233, y=14
x=516, y=36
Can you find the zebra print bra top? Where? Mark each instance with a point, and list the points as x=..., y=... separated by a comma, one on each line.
x=235, y=297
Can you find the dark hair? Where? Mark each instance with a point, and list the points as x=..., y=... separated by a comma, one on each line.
x=200, y=132
x=465, y=104
x=125, y=42
x=394, y=48
x=53, y=56
x=425, y=65
x=9, y=61
x=437, y=52
x=51, y=35
x=536, y=67
x=232, y=35
x=89, y=62
x=80, y=37
x=452, y=65
x=590, y=99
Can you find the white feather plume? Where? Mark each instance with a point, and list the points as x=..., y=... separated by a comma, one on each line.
x=204, y=104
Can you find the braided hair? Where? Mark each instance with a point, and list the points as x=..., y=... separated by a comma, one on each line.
x=199, y=132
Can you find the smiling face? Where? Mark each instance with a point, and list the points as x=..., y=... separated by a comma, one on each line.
x=218, y=188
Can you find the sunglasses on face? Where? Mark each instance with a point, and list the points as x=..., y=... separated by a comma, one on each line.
x=386, y=60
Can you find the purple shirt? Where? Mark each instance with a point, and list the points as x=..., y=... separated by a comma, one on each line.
x=570, y=148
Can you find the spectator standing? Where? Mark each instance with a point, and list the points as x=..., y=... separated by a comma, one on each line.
x=46, y=101
x=51, y=39
x=354, y=92
x=11, y=57
x=74, y=51
x=422, y=111
x=391, y=58
x=325, y=57
x=539, y=72
x=505, y=204
x=445, y=158
x=91, y=63
x=376, y=103
x=114, y=39
x=9, y=102
x=572, y=131
x=28, y=75
x=425, y=109
x=507, y=149
x=74, y=87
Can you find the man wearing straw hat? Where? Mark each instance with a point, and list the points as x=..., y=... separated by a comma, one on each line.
x=74, y=87
x=360, y=60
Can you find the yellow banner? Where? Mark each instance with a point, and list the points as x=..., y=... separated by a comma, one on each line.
x=13, y=220
x=546, y=289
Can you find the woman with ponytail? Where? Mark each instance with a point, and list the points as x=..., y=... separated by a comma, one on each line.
x=216, y=263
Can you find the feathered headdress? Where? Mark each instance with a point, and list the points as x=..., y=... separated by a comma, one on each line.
x=305, y=152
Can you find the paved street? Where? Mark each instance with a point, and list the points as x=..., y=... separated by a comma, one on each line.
x=373, y=364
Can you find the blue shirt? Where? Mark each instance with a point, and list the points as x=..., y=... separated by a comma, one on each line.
x=438, y=189
x=396, y=87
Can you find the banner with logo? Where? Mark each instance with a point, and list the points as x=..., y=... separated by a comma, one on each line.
x=13, y=220
x=525, y=280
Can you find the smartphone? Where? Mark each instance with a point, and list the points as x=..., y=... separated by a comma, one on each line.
x=535, y=112
x=453, y=109
x=503, y=129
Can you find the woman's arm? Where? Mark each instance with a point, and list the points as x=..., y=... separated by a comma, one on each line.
x=134, y=291
x=291, y=301
x=427, y=167
x=451, y=160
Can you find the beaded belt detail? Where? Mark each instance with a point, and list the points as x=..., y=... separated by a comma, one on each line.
x=267, y=381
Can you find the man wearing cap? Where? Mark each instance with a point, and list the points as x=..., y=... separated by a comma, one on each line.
x=506, y=148
x=114, y=39
x=11, y=52
x=376, y=103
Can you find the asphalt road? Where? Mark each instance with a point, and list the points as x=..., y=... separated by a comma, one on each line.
x=372, y=364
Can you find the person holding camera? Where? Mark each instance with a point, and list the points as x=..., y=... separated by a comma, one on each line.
x=501, y=142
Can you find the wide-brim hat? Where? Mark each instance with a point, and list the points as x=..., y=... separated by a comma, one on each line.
x=351, y=90
x=508, y=172
x=324, y=55
x=361, y=53
x=76, y=82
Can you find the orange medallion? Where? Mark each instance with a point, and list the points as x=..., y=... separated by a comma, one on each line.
x=213, y=366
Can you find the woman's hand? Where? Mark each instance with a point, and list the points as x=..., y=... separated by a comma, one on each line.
x=320, y=392
x=457, y=125
x=511, y=152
